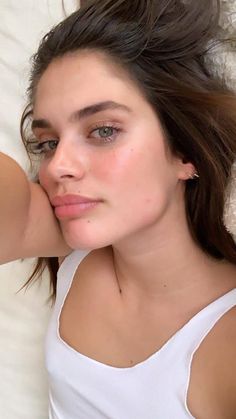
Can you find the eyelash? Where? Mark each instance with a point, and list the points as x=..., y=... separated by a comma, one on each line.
x=35, y=147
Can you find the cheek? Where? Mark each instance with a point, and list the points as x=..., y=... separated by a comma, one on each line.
x=43, y=177
x=136, y=176
x=144, y=185
x=115, y=166
x=134, y=169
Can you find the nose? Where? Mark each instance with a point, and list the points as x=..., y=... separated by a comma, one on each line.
x=68, y=161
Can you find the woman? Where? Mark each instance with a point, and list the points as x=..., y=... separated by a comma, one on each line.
x=137, y=140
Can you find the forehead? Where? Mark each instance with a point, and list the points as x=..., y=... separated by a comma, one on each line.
x=91, y=75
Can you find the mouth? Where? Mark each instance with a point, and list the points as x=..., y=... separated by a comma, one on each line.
x=73, y=205
x=74, y=210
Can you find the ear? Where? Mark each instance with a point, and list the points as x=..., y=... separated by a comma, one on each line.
x=186, y=169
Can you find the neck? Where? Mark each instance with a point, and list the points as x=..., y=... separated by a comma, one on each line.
x=162, y=265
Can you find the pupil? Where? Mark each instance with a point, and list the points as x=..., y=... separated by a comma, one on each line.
x=106, y=131
x=52, y=144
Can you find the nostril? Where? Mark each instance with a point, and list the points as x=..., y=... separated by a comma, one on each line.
x=67, y=176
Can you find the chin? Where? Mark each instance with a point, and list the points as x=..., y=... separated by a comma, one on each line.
x=84, y=238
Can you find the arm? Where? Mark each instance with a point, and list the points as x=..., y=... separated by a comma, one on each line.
x=28, y=226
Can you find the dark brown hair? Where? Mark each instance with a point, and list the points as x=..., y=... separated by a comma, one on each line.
x=163, y=45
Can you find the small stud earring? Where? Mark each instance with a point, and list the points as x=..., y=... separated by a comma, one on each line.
x=194, y=176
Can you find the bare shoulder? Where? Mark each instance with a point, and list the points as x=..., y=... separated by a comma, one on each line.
x=213, y=379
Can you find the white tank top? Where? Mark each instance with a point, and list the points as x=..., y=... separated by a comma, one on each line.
x=82, y=388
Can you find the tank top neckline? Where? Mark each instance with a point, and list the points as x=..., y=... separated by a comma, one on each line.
x=152, y=357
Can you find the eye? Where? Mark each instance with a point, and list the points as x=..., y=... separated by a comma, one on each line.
x=105, y=133
x=34, y=147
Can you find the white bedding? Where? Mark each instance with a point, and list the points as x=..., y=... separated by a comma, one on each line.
x=24, y=316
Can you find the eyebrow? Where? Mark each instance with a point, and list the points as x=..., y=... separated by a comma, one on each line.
x=83, y=113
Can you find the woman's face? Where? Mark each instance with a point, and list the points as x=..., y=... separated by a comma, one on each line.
x=103, y=141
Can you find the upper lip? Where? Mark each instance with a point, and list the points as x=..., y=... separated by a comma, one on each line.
x=60, y=200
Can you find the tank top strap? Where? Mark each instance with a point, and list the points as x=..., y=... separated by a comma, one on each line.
x=67, y=271
x=190, y=337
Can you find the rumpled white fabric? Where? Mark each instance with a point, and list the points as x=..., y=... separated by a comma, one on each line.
x=224, y=59
x=24, y=315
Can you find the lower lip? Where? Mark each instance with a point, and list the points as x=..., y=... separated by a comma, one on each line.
x=74, y=210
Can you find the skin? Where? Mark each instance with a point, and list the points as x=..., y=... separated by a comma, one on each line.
x=24, y=232
x=138, y=229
